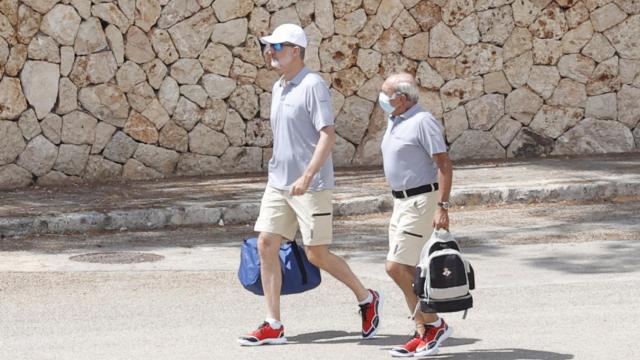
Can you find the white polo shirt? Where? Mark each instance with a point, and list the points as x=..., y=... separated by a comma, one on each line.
x=299, y=111
x=408, y=144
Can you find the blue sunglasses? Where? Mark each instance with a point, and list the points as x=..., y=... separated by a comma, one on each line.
x=279, y=47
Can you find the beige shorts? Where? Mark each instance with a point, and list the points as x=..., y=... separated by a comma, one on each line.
x=282, y=214
x=410, y=227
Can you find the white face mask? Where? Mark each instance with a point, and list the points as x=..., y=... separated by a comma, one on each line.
x=385, y=103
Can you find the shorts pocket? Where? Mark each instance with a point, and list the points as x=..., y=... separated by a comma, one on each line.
x=420, y=205
x=321, y=227
x=412, y=234
x=321, y=214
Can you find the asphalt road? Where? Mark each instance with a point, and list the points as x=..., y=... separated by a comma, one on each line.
x=554, y=282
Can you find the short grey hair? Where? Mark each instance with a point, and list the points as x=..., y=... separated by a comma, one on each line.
x=409, y=89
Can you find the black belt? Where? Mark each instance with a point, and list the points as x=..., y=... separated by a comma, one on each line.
x=415, y=191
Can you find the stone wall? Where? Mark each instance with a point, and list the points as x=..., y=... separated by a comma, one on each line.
x=138, y=89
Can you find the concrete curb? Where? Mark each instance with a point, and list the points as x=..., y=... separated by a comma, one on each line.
x=245, y=213
x=592, y=191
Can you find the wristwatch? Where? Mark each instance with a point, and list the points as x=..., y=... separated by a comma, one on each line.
x=444, y=205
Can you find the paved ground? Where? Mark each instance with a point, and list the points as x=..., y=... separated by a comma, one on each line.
x=555, y=281
x=235, y=200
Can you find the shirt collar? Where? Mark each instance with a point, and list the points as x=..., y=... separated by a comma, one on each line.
x=407, y=114
x=296, y=79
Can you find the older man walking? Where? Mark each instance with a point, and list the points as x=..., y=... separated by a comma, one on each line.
x=420, y=174
x=299, y=189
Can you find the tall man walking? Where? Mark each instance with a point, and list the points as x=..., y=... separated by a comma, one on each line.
x=420, y=174
x=299, y=189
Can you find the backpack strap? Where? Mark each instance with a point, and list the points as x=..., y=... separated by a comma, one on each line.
x=415, y=311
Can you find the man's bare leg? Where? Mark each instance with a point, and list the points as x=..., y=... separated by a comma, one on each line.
x=270, y=271
x=403, y=275
x=321, y=257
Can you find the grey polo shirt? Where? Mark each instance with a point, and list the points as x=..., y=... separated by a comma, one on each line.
x=407, y=146
x=299, y=111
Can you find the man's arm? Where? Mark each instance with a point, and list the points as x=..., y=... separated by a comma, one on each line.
x=320, y=155
x=445, y=179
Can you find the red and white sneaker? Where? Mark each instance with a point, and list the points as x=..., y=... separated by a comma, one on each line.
x=371, y=315
x=408, y=349
x=433, y=337
x=264, y=335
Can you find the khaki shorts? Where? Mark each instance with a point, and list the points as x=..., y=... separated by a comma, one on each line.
x=282, y=214
x=410, y=227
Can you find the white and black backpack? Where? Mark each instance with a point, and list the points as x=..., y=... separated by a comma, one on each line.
x=443, y=276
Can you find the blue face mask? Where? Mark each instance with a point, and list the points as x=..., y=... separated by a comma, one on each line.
x=385, y=103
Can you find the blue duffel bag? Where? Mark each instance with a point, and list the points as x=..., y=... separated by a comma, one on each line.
x=298, y=274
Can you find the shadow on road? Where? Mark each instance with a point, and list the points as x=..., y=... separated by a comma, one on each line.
x=617, y=258
x=343, y=337
x=614, y=258
x=505, y=354
x=387, y=341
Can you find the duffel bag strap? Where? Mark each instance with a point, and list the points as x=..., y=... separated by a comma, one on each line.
x=303, y=270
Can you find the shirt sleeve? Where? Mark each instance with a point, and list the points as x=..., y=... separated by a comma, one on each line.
x=319, y=105
x=431, y=136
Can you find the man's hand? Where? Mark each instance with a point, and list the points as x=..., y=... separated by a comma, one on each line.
x=441, y=219
x=300, y=186
x=320, y=155
x=445, y=178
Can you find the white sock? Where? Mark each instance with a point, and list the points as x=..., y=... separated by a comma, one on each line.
x=367, y=300
x=275, y=324
x=436, y=323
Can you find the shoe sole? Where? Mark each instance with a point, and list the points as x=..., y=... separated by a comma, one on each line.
x=278, y=341
x=436, y=348
x=394, y=353
x=375, y=331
